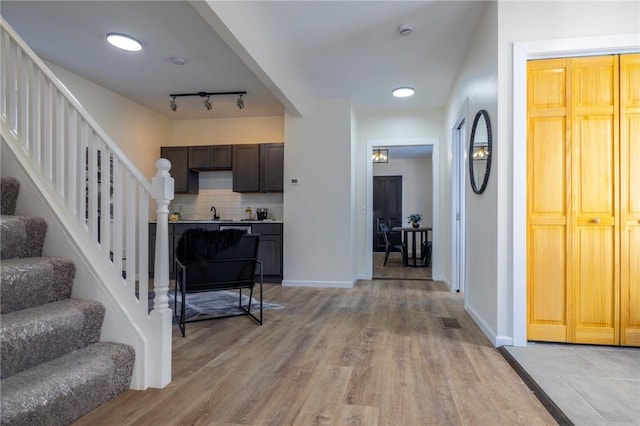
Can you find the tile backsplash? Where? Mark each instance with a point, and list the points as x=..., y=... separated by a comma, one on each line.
x=216, y=190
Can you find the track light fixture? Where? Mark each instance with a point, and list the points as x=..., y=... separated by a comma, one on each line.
x=207, y=102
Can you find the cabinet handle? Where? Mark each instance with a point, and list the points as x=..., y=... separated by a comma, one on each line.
x=596, y=220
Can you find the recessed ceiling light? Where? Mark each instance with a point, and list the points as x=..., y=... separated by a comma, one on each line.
x=403, y=92
x=124, y=42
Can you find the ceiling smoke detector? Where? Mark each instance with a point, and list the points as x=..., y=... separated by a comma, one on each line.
x=178, y=60
x=405, y=29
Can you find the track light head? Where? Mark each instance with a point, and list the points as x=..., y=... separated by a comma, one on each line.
x=240, y=102
x=172, y=104
x=207, y=103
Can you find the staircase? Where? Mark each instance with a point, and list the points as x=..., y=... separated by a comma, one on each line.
x=96, y=206
x=53, y=368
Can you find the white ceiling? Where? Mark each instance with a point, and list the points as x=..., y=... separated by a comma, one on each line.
x=336, y=48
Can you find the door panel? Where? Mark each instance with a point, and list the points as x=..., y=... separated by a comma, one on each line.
x=630, y=199
x=547, y=298
x=548, y=180
x=387, y=208
x=594, y=289
x=596, y=314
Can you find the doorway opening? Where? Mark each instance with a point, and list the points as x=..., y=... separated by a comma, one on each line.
x=402, y=186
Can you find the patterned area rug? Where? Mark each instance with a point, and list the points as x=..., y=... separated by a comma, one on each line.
x=216, y=303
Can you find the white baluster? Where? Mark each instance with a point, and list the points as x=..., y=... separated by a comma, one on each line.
x=143, y=247
x=117, y=216
x=130, y=232
x=59, y=144
x=72, y=161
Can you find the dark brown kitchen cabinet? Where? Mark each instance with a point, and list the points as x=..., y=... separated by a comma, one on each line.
x=185, y=179
x=258, y=167
x=270, y=248
x=246, y=168
x=271, y=167
x=210, y=157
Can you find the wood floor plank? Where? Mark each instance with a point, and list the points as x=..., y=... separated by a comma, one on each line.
x=376, y=354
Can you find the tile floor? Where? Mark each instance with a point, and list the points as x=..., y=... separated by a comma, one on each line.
x=592, y=385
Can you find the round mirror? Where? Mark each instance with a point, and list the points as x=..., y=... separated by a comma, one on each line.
x=480, y=152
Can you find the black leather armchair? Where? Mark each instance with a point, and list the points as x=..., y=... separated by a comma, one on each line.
x=214, y=261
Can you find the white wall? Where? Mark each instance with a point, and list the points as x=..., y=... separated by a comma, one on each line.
x=317, y=212
x=137, y=130
x=562, y=29
x=477, y=82
x=222, y=131
x=417, y=124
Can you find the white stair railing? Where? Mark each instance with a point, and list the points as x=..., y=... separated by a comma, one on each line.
x=101, y=196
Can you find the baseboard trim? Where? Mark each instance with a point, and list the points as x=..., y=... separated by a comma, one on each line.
x=484, y=327
x=542, y=396
x=318, y=284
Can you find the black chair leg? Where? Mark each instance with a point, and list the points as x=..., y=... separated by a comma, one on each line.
x=386, y=256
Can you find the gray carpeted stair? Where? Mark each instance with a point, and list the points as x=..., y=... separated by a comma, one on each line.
x=52, y=367
x=33, y=281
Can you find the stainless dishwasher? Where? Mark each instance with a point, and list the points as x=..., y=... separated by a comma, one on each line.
x=246, y=228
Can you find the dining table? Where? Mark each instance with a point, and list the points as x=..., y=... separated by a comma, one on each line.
x=411, y=233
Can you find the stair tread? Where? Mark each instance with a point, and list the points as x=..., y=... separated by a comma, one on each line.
x=42, y=333
x=32, y=281
x=61, y=390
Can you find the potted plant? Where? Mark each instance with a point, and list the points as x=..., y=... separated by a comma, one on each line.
x=414, y=219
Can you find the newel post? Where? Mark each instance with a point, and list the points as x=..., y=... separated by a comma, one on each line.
x=160, y=356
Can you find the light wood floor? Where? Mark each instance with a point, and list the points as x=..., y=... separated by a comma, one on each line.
x=376, y=354
x=395, y=269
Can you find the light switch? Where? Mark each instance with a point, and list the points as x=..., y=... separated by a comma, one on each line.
x=295, y=181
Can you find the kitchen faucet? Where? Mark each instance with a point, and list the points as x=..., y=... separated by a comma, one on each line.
x=216, y=216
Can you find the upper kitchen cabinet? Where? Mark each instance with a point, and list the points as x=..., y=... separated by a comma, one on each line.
x=185, y=180
x=271, y=167
x=210, y=157
x=246, y=168
x=258, y=167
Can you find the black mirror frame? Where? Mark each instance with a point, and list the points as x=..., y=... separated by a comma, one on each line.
x=474, y=185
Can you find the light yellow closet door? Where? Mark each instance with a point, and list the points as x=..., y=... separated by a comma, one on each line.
x=630, y=199
x=594, y=302
x=548, y=182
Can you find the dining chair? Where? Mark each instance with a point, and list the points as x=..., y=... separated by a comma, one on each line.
x=389, y=246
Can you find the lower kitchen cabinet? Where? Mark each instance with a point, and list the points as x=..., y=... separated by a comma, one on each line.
x=270, y=248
